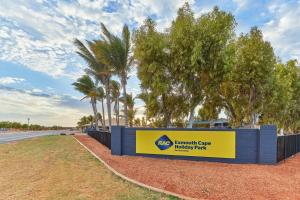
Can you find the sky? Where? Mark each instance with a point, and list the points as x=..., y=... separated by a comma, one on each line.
x=38, y=62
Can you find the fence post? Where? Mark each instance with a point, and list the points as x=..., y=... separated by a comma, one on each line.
x=298, y=142
x=298, y=138
x=267, y=151
x=116, y=140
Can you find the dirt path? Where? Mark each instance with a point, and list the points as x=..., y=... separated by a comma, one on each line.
x=207, y=180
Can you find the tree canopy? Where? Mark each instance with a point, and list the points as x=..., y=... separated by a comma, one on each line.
x=196, y=66
x=199, y=62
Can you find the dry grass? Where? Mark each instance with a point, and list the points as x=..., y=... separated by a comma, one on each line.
x=57, y=167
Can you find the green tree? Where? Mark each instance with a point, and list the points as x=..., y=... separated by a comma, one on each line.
x=100, y=97
x=114, y=51
x=97, y=69
x=143, y=122
x=99, y=117
x=130, y=107
x=90, y=119
x=82, y=122
x=213, y=32
x=295, y=102
x=178, y=68
x=209, y=110
x=86, y=86
x=182, y=36
x=137, y=122
x=256, y=59
x=283, y=105
x=161, y=94
x=115, y=95
x=249, y=77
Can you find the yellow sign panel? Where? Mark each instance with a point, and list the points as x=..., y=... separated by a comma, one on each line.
x=215, y=144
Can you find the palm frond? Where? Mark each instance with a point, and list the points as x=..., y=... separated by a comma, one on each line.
x=85, y=85
x=105, y=33
x=86, y=54
x=130, y=100
x=114, y=51
x=100, y=93
x=84, y=98
x=115, y=89
x=126, y=40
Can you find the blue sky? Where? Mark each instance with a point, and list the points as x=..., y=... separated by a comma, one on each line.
x=38, y=61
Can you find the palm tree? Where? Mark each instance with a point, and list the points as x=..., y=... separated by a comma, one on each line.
x=130, y=108
x=96, y=68
x=90, y=119
x=114, y=51
x=115, y=94
x=83, y=121
x=86, y=86
x=99, y=116
x=100, y=97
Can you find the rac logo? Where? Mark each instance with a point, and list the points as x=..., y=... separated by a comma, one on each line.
x=163, y=142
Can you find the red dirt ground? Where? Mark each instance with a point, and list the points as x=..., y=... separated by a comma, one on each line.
x=207, y=180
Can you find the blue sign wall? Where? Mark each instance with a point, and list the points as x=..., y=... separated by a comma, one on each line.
x=252, y=145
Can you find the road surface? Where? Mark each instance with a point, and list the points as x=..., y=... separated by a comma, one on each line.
x=9, y=137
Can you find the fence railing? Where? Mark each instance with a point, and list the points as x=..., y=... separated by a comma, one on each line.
x=103, y=137
x=287, y=146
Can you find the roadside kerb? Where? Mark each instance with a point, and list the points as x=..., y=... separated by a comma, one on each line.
x=132, y=180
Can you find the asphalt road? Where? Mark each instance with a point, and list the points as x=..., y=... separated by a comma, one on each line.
x=9, y=137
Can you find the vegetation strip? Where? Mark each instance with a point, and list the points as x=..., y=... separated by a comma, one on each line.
x=131, y=180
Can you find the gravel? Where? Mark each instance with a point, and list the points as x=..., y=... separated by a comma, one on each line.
x=207, y=180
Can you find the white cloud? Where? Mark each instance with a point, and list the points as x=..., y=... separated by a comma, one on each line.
x=10, y=80
x=284, y=28
x=36, y=90
x=39, y=34
x=241, y=3
x=44, y=109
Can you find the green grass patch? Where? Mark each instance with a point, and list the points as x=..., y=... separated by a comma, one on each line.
x=57, y=167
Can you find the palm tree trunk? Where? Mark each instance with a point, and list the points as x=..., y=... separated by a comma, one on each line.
x=101, y=120
x=93, y=102
x=107, y=90
x=103, y=115
x=118, y=112
x=123, y=82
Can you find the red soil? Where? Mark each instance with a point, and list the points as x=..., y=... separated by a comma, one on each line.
x=207, y=180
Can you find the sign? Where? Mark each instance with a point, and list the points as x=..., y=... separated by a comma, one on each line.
x=215, y=144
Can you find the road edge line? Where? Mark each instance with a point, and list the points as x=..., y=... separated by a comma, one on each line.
x=132, y=180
